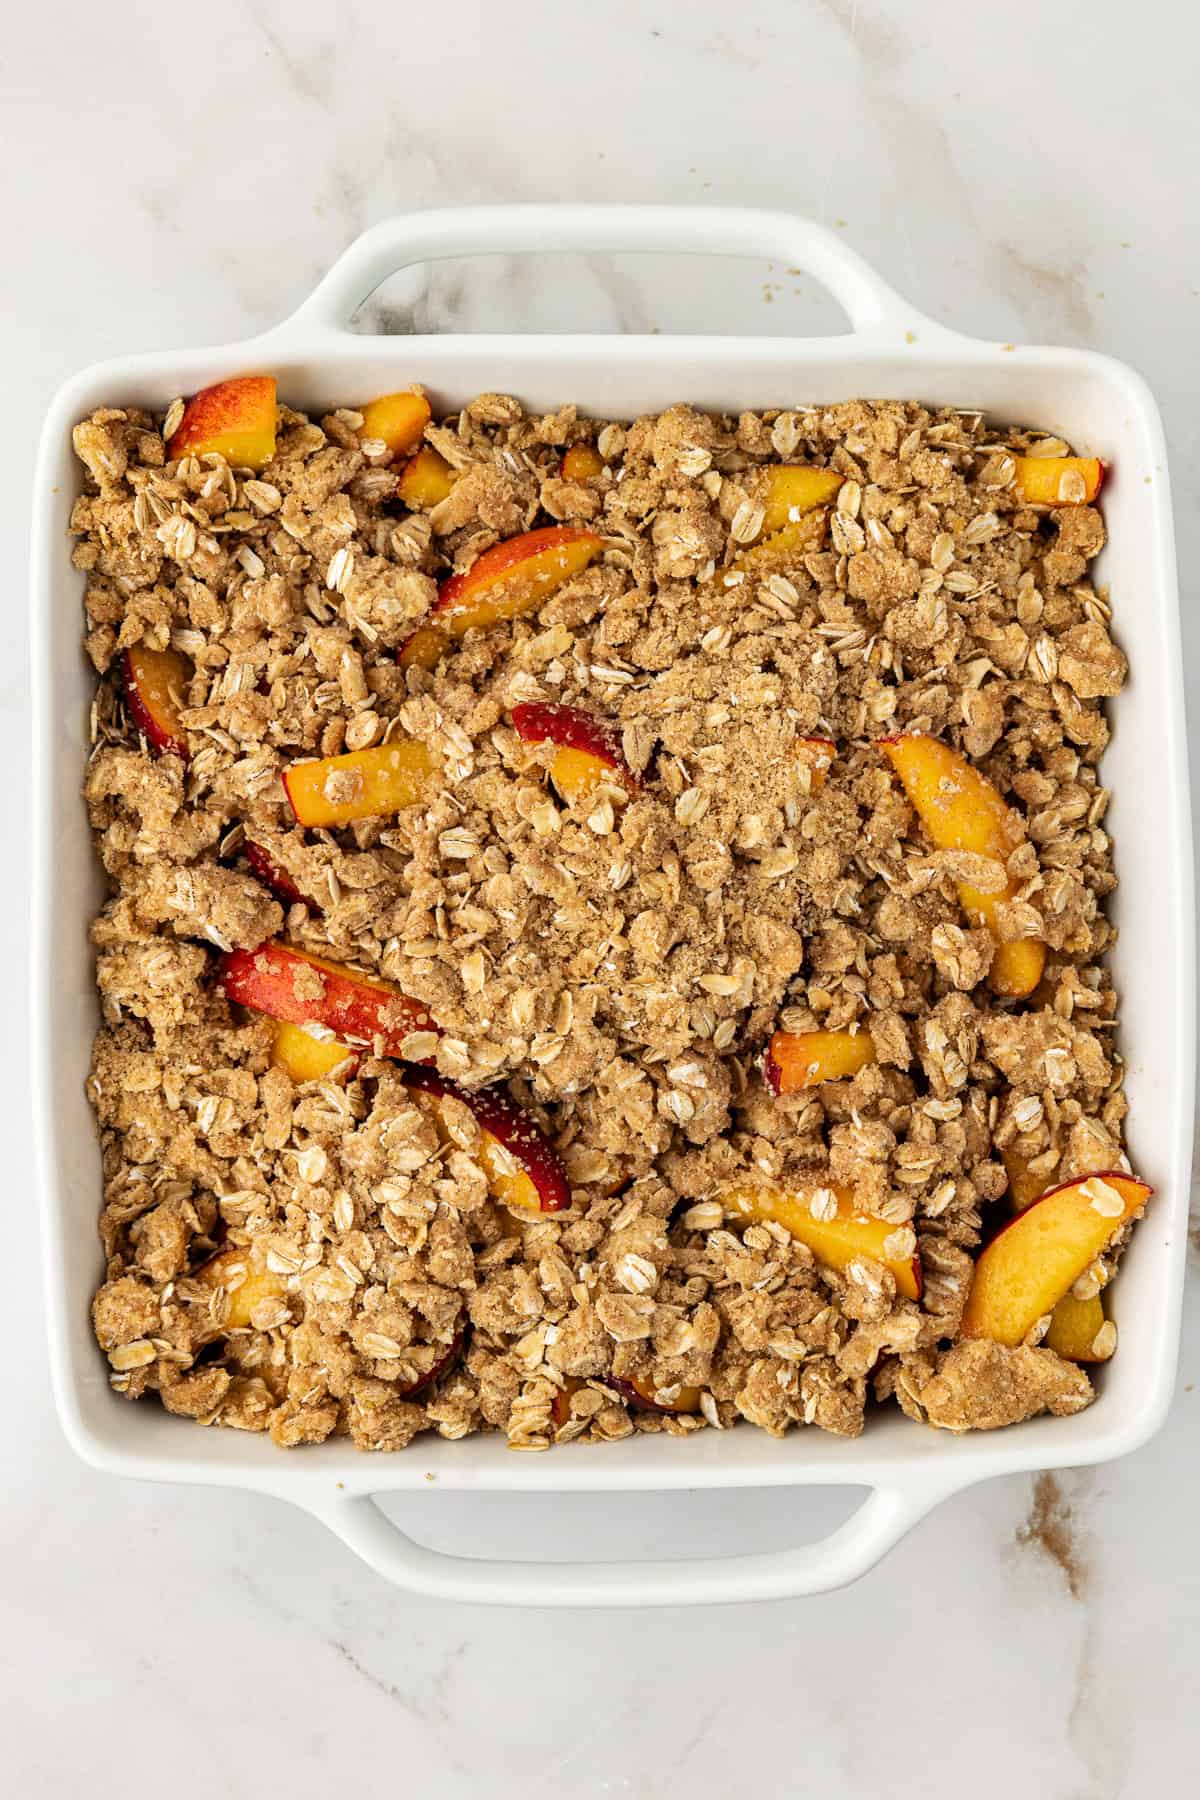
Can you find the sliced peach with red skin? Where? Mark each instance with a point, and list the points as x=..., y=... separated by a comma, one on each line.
x=512, y=578
x=1058, y=480
x=397, y=420
x=309, y=1058
x=836, y=1241
x=155, y=684
x=243, y=1273
x=425, y=480
x=962, y=810
x=583, y=462
x=589, y=748
x=287, y=983
x=1038, y=1256
x=234, y=419
x=522, y=1166
x=803, y=1059
x=1074, y=1324
x=272, y=876
x=362, y=784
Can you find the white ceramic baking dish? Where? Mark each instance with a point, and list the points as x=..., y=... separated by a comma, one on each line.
x=892, y=352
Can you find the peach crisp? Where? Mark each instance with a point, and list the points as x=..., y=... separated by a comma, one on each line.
x=605, y=927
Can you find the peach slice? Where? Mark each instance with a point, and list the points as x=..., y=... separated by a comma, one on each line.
x=155, y=682
x=1035, y=1259
x=247, y=1279
x=511, y=578
x=781, y=550
x=425, y=480
x=802, y=1059
x=818, y=754
x=235, y=419
x=1058, y=480
x=272, y=876
x=583, y=462
x=560, y=1406
x=792, y=524
x=1077, y=1330
x=286, y=983
x=638, y=1395
x=589, y=749
x=836, y=1240
x=424, y=1382
x=307, y=1058
x=1074, y=1324
x=522, y=1166
x=399, y=420
x=1023, y=1186
x=793, y=490
x=335, y=790
x=961, y=810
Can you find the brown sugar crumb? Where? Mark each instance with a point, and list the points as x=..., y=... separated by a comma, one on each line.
x=339, y=1256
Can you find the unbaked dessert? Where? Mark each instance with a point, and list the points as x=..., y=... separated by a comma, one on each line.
x=605, y=924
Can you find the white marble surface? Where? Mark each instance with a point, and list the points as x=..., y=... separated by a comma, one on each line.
x=183, y=175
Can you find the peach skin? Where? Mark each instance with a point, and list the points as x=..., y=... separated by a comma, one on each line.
x=836, y=1240
x=235, y=419
x=425, y=480
x=1058, y=480
x=440, y=1364
x=513, y=577
x=1038, y=1256
x=961, y=810
x=523, y=1168
x=802, y=1059
x=362, y=784
x=398, y=420
x=286, y=983
x=156, y=682
x=589, y=748
x=273, y=877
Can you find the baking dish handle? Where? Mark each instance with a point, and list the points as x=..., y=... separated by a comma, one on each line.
x=856, y=1546
x=874, y=308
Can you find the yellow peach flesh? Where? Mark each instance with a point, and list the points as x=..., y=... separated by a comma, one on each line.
x=836, y=1241
x=962, y=810
x=363, y=784
x=1025, y=1270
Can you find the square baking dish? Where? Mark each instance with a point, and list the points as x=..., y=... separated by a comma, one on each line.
x=892, y=352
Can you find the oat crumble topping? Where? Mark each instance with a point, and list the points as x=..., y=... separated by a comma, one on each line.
x=619, y=960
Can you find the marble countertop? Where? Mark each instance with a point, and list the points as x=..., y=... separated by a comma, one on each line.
x=182, y=177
